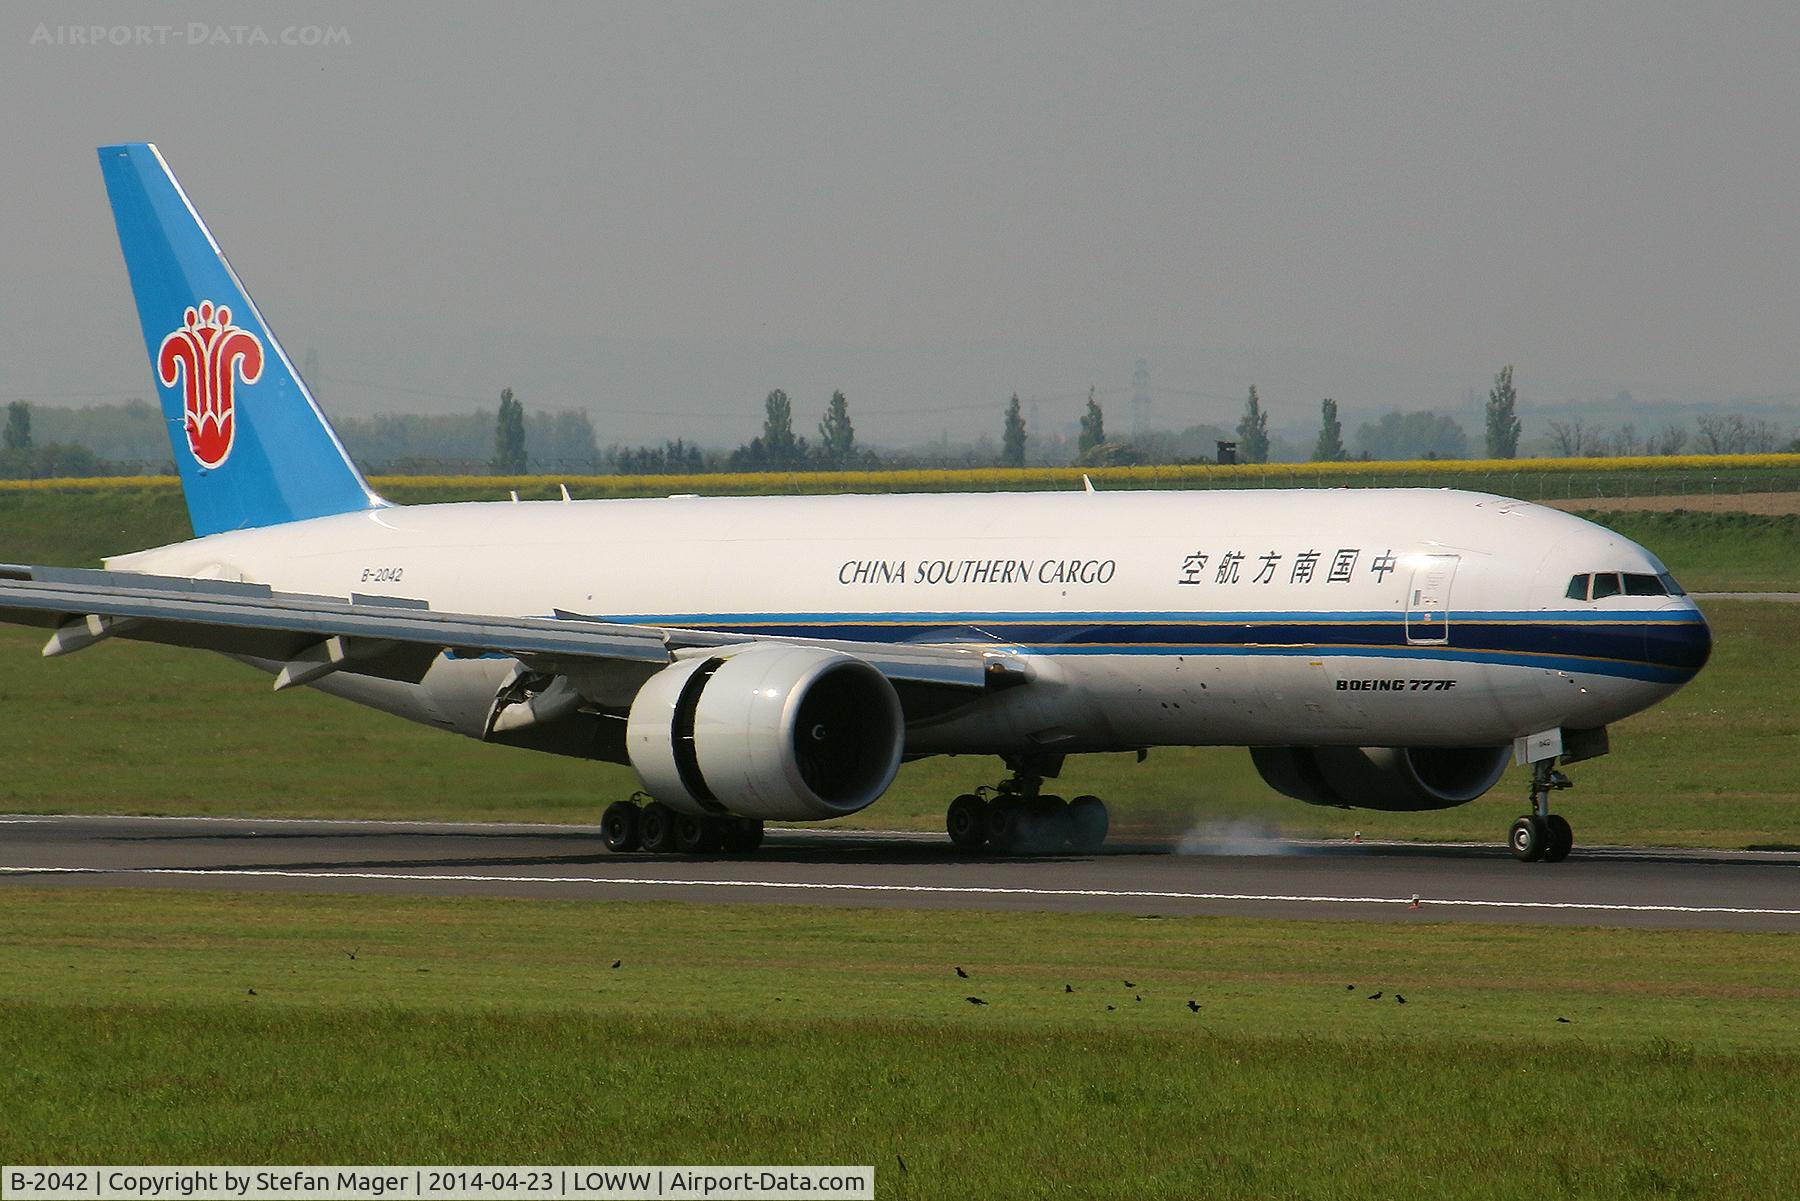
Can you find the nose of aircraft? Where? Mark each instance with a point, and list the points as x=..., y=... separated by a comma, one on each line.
x=1681, y=644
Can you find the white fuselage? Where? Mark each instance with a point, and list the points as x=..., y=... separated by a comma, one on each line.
x=1394, y=617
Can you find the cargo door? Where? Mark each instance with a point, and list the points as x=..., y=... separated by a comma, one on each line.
x=1428, y=600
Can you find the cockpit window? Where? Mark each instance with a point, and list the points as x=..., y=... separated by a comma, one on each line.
x=1598, y=585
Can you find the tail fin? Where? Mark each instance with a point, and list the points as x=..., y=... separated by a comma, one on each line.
x=251, y=445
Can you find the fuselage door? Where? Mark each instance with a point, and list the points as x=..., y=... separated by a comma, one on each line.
x=1428, y=600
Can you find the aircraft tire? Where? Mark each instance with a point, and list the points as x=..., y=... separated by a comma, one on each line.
x=619, y=827
x=966, y=822
x=697, y=835
x=1562, y=839
x=1005, y=824
x=1529, y=838
x=1047, y=825
x=743, y=834
x=656, y=828
x=1088, y=823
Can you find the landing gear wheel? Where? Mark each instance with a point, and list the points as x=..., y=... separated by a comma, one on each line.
x=619, y=827
x=1005, y=824
x=1088, y=823
x=743, y=834
x=697, y=835
x=1529, y=839
x=1562, y=839
x=656, y=828
x=966, y=822
x=1046, y=825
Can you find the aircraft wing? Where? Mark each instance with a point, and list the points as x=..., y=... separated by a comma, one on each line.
x=399, y=639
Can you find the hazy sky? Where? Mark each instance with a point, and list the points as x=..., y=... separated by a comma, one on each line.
x=658, y=212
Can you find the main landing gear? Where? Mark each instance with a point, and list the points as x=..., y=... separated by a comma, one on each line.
x=655, y=827
x=1018, y=818
x=1542, y=834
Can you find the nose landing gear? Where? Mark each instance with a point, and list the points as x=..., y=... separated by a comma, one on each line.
x=1541, y=834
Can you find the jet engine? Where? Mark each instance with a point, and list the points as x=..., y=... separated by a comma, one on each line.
x=1398, y=779
x=774, y=731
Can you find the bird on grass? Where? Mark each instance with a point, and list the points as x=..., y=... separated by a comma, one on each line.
x=975, y=1000
x=253, y=992
x=1139, y=1000
x=351, y=953
x=1109, y=1008
x=1375, y=997
x=1349, y=988
x=617, y=962
x=1564, y=1021
x=1127, y=984
x=1068, y=988
x=1400, y=998
x=1193, y=1006
x=961, y=975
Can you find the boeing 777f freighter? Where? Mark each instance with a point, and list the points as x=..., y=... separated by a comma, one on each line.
x=777, y=658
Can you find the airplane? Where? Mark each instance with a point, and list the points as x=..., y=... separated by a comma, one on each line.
x=777, y=658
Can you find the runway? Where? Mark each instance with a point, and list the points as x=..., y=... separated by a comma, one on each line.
x=1247, y=877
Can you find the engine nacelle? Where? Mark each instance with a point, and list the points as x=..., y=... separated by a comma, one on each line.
x=1398, y=779
x=779, y=732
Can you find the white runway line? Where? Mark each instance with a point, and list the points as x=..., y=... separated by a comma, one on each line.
x=942, y=889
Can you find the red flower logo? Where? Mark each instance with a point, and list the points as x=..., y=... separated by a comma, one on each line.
x=206, y=357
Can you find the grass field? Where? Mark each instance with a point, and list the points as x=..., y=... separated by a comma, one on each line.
x=497, y=1031
x=136, y=729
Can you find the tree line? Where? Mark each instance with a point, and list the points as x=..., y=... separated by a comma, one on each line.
x=133, y=439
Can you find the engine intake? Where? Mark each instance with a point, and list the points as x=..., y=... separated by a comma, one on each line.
x=775, y=731
x=1397, y=779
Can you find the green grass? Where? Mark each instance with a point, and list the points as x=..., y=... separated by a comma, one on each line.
x=1718, y=552
x=135, y=729
x=496, y=1031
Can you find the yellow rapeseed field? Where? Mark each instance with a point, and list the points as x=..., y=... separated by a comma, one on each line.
x=991, y=478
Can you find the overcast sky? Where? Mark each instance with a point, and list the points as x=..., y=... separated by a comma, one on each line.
x=659, y=212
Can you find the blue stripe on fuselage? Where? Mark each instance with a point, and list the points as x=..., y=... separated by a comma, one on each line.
x=1667, y=647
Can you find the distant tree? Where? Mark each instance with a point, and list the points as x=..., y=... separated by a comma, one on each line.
x=509, y=436
x=562, y=441
x=1331, y=434
x=1407, y=436
x=837, y=437
x=1734, y=434
x=1573, y=440
x=779, y=446
x=1253, y=431
x=1503, y=423
x=1012, y=438
x=1669, y=442
x=18, y=426
x=1093, y=426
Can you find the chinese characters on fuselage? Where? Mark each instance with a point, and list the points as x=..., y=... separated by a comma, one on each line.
x=1340, y=566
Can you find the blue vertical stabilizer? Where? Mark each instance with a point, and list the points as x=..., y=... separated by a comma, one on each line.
x=251, y=445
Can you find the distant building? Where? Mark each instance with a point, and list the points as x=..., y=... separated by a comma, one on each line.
x=1140, y=399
